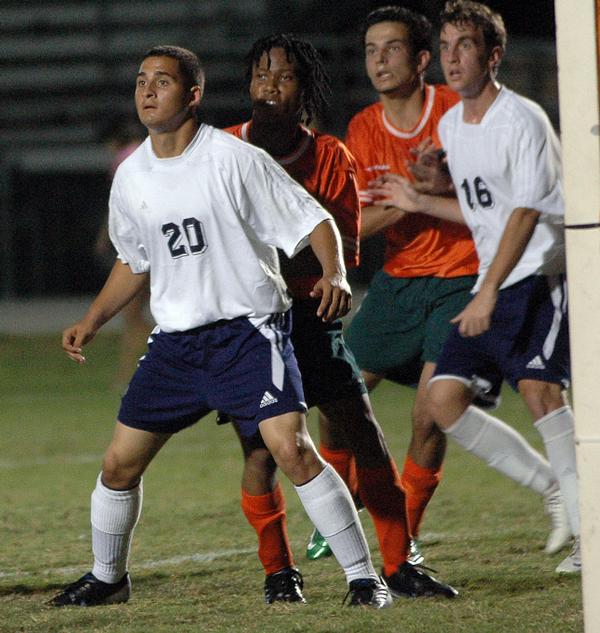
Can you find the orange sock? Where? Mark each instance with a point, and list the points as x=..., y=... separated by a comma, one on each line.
x=266, y=514
x=382, y=494
x=419, y=485
x=344, y=464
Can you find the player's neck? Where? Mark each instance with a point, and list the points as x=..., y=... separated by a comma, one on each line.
x=277, y=137
x=171, y=143
x=475, y=106
x=403, y=109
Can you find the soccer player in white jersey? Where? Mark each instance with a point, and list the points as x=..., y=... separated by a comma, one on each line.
x=200, y=214
x=504, y=159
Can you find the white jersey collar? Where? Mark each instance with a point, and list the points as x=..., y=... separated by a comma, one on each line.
x=190, y=147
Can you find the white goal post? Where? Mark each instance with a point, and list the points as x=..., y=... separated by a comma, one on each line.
x=578, y=51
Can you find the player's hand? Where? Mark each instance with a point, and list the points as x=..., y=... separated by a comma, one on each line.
x=396, y=191
x=75, y=337
x=430, y=169
x=336, y=296
x=475, y=319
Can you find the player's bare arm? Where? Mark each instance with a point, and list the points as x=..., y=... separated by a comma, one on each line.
x=377, y=218
x=397, y=191
x=476, y=317
x=120, y=288
x=332, y=288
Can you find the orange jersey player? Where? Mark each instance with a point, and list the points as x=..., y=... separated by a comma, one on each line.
x=419, y=246
x=287, y=85
x=430, y=265
x=324, y=167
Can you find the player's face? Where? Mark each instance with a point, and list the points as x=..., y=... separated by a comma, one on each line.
x=162, y=99
x=391, y=65
x=468, y=66
x=275, y=88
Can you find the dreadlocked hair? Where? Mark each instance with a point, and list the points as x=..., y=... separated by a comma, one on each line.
x=312, y=76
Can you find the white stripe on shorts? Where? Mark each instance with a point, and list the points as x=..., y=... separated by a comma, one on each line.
x=267, y=326
x=558, y=292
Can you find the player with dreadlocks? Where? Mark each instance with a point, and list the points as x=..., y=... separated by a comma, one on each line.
x=288, y=88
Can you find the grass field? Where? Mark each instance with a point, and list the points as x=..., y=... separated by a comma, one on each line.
x=193, y=562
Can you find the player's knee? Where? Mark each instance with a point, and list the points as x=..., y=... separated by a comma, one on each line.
x=421, y=417
x=118, y=474
x=437, y=400
x=541, y=397
x=447, y=400
x=294, y=457
x=423, y=427
x=260, y=459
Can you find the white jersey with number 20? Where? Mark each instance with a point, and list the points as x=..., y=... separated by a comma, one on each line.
x=206, y=225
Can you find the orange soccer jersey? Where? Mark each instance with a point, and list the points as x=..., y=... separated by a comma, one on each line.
x=417, y=245
x=324, y=167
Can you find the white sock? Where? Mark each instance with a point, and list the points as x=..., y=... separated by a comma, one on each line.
x=502, y=448
x=330, y=507
x=114, y=516
x=558, y=432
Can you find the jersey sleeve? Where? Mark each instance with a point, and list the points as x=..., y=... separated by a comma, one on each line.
x=281, y=212
x=537, y=174
x=355, y=142
x=124, y=232
x=341, y=198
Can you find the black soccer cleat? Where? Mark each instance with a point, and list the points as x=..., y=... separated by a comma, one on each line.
x=411, y=581
x=368, y=592
x=88, y=591
x=284, y=586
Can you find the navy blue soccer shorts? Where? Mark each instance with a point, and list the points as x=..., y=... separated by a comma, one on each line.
x=243, y=367
x=528, y=339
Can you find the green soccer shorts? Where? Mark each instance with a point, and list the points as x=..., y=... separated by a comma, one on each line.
x=404, y=322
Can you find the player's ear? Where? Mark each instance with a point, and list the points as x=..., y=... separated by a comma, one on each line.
x=494, y=59
x=196, y=96
x=423, y=61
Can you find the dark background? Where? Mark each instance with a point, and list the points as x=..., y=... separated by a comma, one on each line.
x=68, y=67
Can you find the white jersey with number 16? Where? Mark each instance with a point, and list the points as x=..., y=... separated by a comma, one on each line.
x=510, y=160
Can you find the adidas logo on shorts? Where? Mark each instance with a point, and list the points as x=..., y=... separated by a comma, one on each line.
x=536, y=363
x=268, y=399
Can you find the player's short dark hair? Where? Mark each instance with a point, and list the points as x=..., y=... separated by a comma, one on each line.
x=312, y=76
x=461, y=12
x=420, y=31
x=189, y=64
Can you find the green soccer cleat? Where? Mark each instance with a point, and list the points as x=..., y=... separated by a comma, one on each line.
x=317, y=546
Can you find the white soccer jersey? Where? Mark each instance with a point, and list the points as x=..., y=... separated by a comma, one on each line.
x=509, y=160
x=206, y=225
